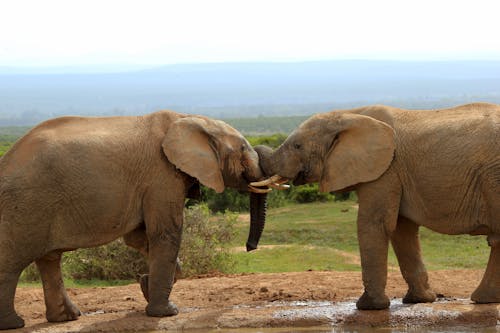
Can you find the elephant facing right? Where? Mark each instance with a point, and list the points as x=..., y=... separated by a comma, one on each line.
x=437, y=168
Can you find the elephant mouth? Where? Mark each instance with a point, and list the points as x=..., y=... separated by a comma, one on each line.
x=300, y=179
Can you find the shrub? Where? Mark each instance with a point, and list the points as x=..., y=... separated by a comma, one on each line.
x=230, y=199
x=309, y=193
x=113, y=261
x=205, y=243
x=343, y=196
x=272, y=141
x=30, y=274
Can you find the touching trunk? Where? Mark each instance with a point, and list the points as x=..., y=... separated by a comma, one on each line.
x=266, y=161
x=258, y=206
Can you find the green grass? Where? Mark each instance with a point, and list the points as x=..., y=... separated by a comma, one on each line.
x=322, y=236
x=294, y=258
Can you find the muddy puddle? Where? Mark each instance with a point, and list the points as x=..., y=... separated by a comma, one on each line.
x=459, y=315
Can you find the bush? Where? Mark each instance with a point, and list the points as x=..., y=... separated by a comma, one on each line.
x=343, y=196
x=272, y=141
x=309, y=193
x=113, y=261
x=30, y=274
x=230, y=199
x=205, y=243
x=204, y=249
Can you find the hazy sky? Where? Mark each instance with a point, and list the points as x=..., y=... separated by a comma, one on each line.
x=65, y=32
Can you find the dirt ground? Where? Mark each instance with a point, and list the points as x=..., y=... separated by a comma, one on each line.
x=265, y=300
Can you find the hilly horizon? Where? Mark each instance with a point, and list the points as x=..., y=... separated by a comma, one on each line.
x=242, y=90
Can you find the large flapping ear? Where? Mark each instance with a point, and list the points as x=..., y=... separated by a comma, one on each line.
x=362, y=152
x=191, y=149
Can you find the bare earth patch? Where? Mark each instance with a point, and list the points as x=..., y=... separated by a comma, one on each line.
x=265, y=300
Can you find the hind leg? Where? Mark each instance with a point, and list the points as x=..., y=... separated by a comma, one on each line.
x=8, y=316
x=59, y=307
x=489, y=288
x=406, y=245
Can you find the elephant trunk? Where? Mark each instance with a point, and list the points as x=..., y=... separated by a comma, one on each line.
x=258, y=203
x=258, y=207
x=265, y=160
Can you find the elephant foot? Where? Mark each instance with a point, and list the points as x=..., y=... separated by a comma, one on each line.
x=425, y=296
x=11, y=321
x=367, y=302
x=486, y=295
x=170, y=309
x=66, y=312
x=144, y=280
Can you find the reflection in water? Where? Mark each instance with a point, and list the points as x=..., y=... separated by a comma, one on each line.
x=400, y=317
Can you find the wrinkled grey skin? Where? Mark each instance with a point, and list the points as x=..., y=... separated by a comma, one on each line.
x=77, y=182
x=439, y=169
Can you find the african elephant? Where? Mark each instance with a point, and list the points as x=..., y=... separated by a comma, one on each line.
x=76, y=182
x=439, y=169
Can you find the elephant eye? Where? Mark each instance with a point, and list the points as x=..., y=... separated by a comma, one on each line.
x=297, y=145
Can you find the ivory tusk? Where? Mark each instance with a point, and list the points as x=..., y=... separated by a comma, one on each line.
x=259, y=190
x=273, y=179
x=279, y=186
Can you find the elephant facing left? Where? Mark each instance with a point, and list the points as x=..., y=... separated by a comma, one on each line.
x=77, y=182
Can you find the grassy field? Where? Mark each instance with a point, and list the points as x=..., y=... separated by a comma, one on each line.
x=322, y=236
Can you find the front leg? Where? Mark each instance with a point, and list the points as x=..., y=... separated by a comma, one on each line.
x=373, y=246
x=377, y=218
x=163, y=229
x=138, y=240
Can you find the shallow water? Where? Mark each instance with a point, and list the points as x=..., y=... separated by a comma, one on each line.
x=427, y=318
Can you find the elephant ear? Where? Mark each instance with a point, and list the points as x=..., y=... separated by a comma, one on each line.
x=361, y=152
x=190, y=147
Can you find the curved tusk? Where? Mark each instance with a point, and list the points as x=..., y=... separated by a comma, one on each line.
x=273, y=179
x=259, y=190
x=279, y=186
x=282, y=181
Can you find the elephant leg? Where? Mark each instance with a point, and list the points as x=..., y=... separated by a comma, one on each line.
x=59, y=306
x=8, y=316
x=406, y=244
x=163, y=230
x=374, y=266
x=488, y=290
x=377, y=218
x=144, y=279
x=138, y=240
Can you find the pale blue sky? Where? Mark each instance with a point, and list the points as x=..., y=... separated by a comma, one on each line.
x=151, y=32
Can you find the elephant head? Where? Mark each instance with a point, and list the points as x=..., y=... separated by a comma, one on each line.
x=218, y=156
x=336, y=149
